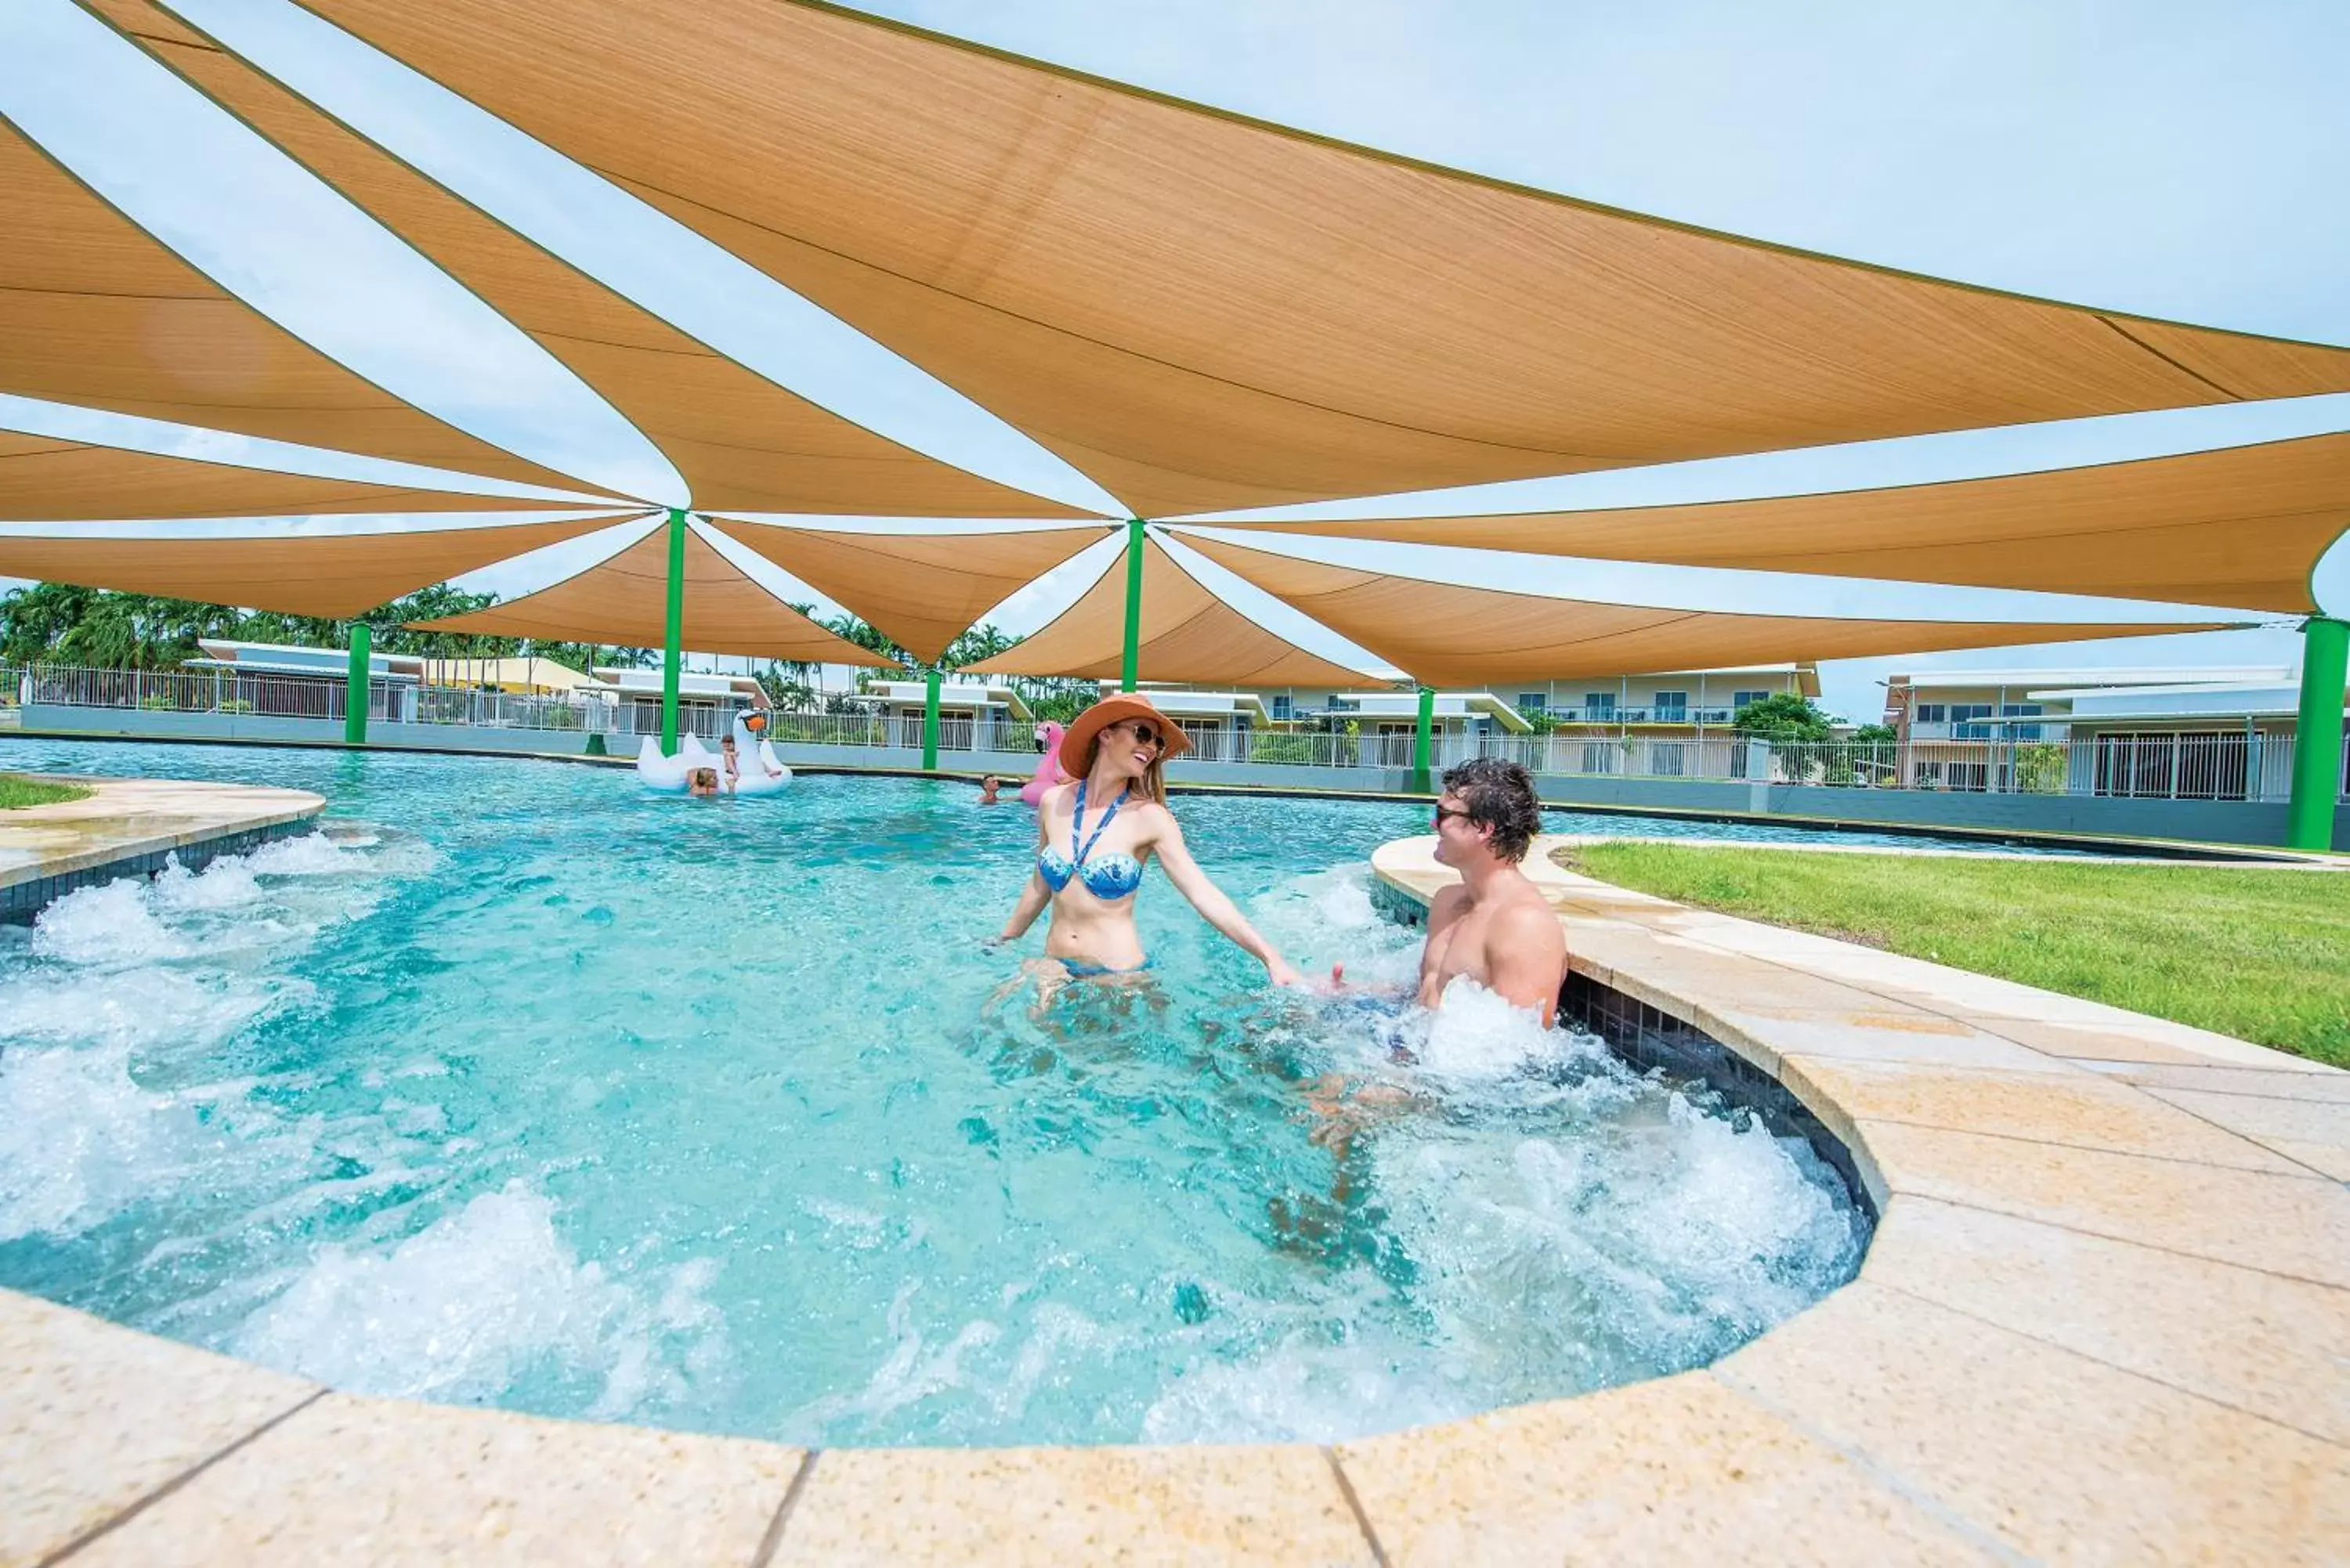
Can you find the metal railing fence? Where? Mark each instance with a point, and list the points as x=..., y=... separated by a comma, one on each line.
x=2166, y=765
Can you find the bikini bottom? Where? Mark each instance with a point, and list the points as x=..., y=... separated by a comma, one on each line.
x=1082, y=971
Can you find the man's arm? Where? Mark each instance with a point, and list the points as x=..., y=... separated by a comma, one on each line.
x=1525, y=951
x=1446, y=907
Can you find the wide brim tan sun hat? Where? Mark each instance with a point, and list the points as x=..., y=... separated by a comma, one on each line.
x=1078, y=739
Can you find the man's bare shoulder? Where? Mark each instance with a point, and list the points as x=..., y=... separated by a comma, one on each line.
x=1522, y=916
x=1448, y=904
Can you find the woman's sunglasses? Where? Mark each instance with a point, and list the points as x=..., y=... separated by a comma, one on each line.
x=1144, y=732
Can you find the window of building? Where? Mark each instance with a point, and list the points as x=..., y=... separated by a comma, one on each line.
x=1746, y=698
x=1931, y=713
x=1672, y=706
x=1599, y=704
x=1280, y=705
x=1533, y=701
x=1962, y=727
x=2023, y=710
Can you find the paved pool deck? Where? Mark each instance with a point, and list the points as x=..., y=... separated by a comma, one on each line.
x=2106, y=1318
x=130, y=827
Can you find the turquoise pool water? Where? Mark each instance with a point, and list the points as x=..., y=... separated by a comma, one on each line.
x=520, y=1086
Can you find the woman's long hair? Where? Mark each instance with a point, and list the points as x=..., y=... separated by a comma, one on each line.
x=1151, y=785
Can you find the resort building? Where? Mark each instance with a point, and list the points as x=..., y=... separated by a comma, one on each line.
x=1668, y=704
x=280, y=680
x=1219, y=724
x=2019, y=704
x=973, y=715
x=1373, y=729
x=1671, y=723
x=707, y=704
x=1460, y=724
x=2206, y=734
x=277, y=680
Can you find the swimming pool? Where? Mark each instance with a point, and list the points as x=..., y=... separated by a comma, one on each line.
x=523, y=1087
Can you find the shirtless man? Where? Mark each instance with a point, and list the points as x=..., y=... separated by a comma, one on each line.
x=1493, y=926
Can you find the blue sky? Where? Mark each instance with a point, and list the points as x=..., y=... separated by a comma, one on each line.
x=2179, y=160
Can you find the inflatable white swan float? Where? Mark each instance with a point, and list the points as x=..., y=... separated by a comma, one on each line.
x=761, y=772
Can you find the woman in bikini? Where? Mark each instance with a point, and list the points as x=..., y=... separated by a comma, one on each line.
x=1093, y=837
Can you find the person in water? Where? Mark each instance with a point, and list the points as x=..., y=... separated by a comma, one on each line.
x=732, y=766
x=987, y=788
x=701, y=781
x=1094, y=836
x=1493, y=926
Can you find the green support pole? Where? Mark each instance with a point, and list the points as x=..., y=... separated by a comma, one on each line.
x=2317, y=738
x=674, y=631
x=355, y=687
x=1423, y=739
x=931, y=723
x=1131, y=659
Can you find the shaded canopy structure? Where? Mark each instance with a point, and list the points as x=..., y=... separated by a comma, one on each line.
x=922, y=589
x=621, y=600
x=48, y=479
x=1446, y=635
x=97, y=313
x=740, y=441
x=328, y=575
x=2241, y=526
x=1203, y=312
x=1186, y=633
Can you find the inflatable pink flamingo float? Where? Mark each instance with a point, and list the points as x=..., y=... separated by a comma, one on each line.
x=1048, y=768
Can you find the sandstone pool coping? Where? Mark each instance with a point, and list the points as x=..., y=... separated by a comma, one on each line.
x=2102, y=1320
x=125, y=819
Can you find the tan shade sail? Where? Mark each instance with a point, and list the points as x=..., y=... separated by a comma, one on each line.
x=625, y=601
x=296, y=574
x=45, y=479
x=1188, y=634
x=922, y=589
x=1445, y=635
x=2240, y=526
x=94, y=312
x=1203, y=311
x=740, y=441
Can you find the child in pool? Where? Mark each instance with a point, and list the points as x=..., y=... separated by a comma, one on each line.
x=701, y=781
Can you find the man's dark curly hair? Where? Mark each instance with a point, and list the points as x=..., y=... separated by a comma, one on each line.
x=1499, y=794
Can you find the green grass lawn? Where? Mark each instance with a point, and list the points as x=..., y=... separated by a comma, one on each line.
x=2262, y=955
x=16, y=790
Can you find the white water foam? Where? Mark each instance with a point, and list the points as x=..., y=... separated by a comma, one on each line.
x=1305, y=1390
x=121, y=980
x=228, y=883
x=471, y=1304
x=112, y=926
x=81, y=1141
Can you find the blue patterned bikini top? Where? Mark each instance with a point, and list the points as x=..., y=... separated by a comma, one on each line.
x=1111, y=877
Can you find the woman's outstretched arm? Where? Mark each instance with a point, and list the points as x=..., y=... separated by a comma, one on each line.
x=1035, y=896
x=1209, y=900
x=1032, y=899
